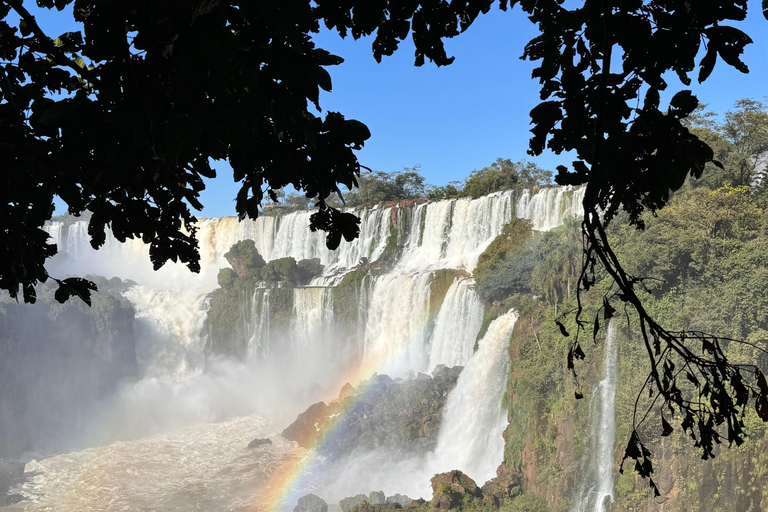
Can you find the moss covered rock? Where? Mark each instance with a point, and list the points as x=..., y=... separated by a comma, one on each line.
x=505, y=267
x=243, y=256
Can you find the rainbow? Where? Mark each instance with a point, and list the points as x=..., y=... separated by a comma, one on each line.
x=289, y=482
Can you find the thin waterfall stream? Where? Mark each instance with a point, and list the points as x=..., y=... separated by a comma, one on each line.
x=596, y=491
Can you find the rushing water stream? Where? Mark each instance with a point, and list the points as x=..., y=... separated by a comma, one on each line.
x=176, y=438
x=596, y=492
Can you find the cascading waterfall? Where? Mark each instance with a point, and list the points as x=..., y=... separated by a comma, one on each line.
x=396, y=326
x=596, y=491
x=400, y=328
x=456, y=326
x=257, y=323
x=547, y=208
x=310, y=318
x=473, y=419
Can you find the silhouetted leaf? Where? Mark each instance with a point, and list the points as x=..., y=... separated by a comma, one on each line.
x=74, y=286
x=666, y=427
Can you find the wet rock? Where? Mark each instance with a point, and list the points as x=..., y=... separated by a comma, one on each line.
x=449, y=490
x=309, y=269
x=259, y=442
x=402, y=417
x=438, y=369
x=347, y=391
x=376, y=498
x=400, y=499
x=347, y=504
x=417, y=503
x=311, y=503
x=306, y=427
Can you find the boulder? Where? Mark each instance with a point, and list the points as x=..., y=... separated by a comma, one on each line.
x=438, y=369
x=309, y=269
x=259, y=442
x=449, y=490
x=307, y=425
x=347, y=504
x=311, y=503
x=376, y=498
x=400, y=499
x=402, y=417
x=347, y=391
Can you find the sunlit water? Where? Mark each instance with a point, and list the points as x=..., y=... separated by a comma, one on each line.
x=200, y=467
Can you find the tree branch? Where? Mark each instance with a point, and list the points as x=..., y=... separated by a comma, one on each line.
x=45, y=44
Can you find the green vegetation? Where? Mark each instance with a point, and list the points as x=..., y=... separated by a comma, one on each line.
x=505, y=267
x=242, y=290
x=706, y=254
x=380, y=187
x=504, y=174
x=377, y=186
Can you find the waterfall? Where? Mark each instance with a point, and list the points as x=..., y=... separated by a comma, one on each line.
x=398, y=330
x=410, y=313
x=257, y=324
x=456, y=326
x=310, y=319
x=547, y=208
x=397, y=318
x=470, y=438
x=596, y=491
x=453, y=233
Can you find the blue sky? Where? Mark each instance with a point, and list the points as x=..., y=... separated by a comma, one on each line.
x=461, y=117
x=458, y=118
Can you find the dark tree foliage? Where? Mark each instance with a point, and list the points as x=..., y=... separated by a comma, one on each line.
x=153, y=90
x=123, y=118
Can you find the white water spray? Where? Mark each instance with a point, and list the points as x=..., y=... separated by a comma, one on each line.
x=456, y=326
x=470, y=438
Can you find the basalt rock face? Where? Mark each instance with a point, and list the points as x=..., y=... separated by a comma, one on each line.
x=57, y=362
x=375, y=501
x=311, y=503
x=402, y=416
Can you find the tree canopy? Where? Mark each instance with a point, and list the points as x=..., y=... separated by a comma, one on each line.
x=123, y=118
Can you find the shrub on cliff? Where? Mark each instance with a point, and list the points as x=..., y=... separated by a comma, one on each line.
x=505, y=267
x=226, y=277
x=243, y=256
